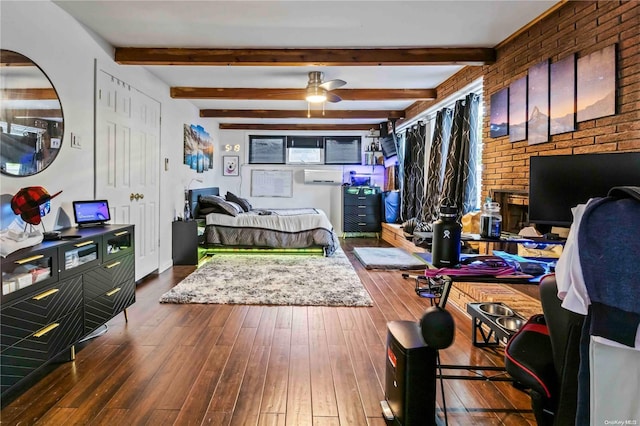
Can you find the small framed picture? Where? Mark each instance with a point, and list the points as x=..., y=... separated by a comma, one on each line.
x=230, y=166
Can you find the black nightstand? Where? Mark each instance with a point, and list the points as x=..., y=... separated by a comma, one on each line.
x=185, y=242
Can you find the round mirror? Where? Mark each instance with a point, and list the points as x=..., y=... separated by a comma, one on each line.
x=31, y=120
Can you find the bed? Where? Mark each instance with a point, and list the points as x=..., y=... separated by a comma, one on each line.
x=299, y=229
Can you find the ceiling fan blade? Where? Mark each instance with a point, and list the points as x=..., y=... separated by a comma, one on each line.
x=332, y=97
x=333, y=84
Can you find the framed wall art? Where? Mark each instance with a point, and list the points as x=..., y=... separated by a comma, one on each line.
x=538, y=104
x=499, y=125
x=518, y=110
x=230, y=165
x=596, y=88
x=562, y=96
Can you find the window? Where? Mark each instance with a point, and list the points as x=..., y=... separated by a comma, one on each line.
x=304, y=149
x=266, y=149
x=343, y=150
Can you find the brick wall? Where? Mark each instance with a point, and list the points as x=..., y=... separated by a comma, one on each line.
x=578, y=27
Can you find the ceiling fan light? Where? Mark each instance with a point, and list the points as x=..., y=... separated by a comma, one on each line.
x=315, y=95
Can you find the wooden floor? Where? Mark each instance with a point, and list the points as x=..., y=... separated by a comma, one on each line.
x=255, y=365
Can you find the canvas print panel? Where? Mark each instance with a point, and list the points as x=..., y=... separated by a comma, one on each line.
x=597, y=84
x=499, y=125
x=518, y=110
x=198, y=148
x=538, y=123
x=562, y=105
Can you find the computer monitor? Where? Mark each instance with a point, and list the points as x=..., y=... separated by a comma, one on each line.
x=559, y=182
x=91, y=212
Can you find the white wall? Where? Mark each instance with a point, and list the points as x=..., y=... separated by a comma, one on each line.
x=67, y=53
x=322, y=196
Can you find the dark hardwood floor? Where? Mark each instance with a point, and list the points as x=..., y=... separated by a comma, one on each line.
x=255, y=365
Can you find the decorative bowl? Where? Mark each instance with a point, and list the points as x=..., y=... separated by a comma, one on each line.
x=495, y=309
x=510, y=323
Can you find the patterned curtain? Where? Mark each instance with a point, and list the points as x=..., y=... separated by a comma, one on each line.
x=435, y=170
x=459, y=185
x=413, y=181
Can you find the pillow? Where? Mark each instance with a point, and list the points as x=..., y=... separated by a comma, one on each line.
x=243, y=202
x=218, y=203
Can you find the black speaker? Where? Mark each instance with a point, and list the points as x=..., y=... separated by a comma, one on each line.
x=410, y=376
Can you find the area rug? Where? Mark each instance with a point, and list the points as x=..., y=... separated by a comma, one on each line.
x=267, y=279
x=387, y=258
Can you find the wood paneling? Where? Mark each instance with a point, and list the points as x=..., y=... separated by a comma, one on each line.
x=319, y=127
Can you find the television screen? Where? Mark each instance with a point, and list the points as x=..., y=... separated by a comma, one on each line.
x=559, y=183
x=388, y=145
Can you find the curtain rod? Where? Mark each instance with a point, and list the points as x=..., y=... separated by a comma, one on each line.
x=449, y=102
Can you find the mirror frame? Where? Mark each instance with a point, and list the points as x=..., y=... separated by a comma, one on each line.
x=26, y=101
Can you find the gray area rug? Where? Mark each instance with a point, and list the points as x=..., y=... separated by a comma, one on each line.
x=267, y=279
x=387, y=258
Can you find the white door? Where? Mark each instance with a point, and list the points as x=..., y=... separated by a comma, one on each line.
x=127, y=163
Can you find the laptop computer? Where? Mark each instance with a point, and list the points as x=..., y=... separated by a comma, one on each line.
x=91, y=212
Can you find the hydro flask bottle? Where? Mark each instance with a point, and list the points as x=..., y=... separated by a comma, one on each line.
x=445, y=247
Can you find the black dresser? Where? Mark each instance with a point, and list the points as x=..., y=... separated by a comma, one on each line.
x=360, y=209
x=57, y=292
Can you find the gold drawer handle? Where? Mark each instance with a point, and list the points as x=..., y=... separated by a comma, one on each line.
x=29, y=259
x=112, y=265
x=46, y=294
x=114, y=291
x=86, y=243
x=45, y=330
x=117, y=234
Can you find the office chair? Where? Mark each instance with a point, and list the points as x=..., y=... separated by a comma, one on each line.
x=544, y=357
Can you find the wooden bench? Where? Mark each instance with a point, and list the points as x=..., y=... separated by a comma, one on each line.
x=392, y=233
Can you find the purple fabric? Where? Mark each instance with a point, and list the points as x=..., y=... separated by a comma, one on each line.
x=470, y=270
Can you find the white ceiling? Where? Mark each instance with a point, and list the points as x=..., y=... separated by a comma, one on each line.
x=304, y=24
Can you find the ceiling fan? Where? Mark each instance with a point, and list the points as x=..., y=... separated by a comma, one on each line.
x=318, y=91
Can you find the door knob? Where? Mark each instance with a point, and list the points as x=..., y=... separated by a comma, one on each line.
x=132, y=196
x=141, y=196
x=137, y=196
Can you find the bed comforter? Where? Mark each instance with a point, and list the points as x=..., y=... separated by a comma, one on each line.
x=278, y=228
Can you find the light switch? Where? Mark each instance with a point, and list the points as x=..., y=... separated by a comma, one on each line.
x=75, y=141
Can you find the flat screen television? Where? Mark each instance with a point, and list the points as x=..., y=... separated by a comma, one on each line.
x=388, y=145
x=560, y=182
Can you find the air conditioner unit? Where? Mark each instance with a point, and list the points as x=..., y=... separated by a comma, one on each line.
x=327, y=177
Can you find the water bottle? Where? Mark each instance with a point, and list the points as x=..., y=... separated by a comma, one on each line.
x=445, y=246
x=490, y=220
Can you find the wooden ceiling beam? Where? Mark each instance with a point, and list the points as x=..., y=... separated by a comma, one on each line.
x=28, y=94
x=298, y=94
x=34, y=113
x=284, y=126
x=315, y=113
x=306, y=57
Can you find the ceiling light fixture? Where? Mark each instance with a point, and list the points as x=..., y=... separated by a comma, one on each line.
x=315, y=95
